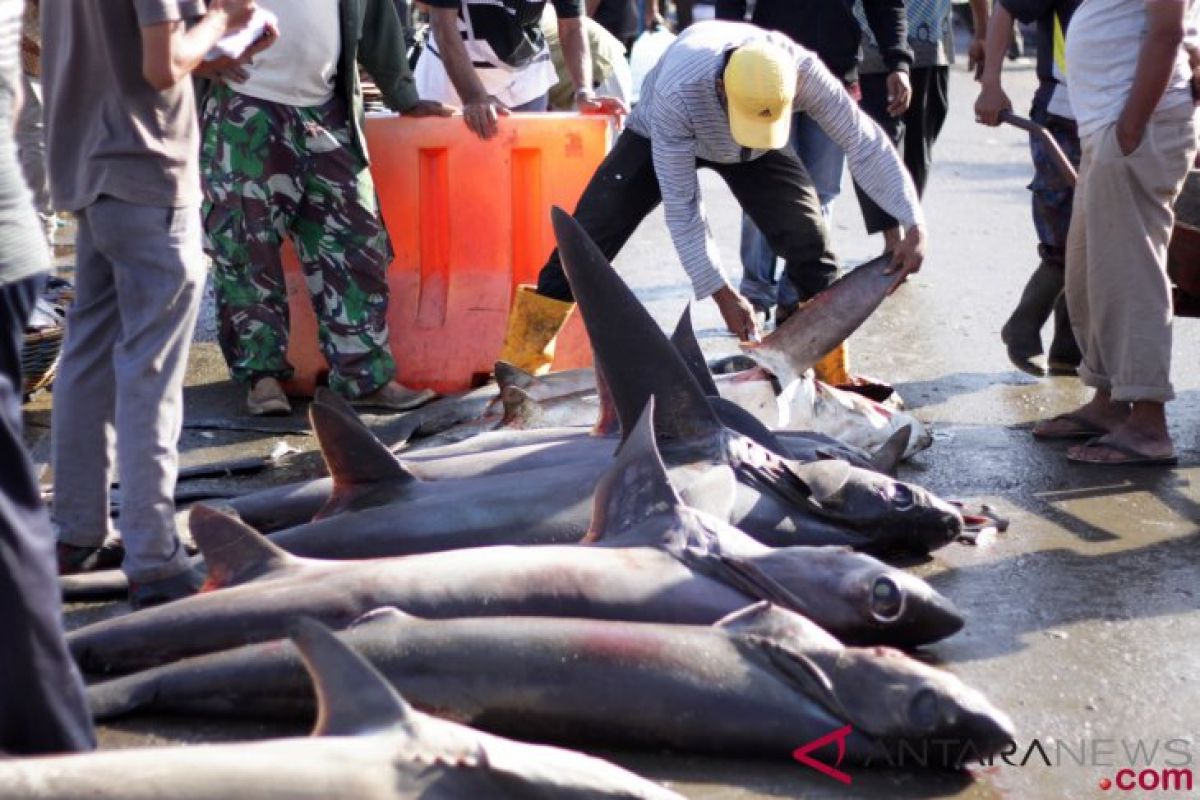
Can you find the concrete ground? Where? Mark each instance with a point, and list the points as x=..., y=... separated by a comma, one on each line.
x=1082, y=619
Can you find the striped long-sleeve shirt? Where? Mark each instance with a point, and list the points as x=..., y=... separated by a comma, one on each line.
x=685, y=120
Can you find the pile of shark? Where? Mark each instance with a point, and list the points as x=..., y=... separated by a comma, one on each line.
x=685, y=573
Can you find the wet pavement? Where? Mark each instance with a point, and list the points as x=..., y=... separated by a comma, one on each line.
x=1083, y=619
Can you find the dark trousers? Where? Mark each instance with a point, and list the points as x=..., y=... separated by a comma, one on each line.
x=42, y=703
x=913, y=132
x=774, y=190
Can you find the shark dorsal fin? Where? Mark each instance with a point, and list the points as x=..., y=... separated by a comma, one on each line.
x=352, y=697
x=511, y=375
x=635, y=488
x=635, y=356
x=233, y=551
x=358, y=462
x=520, y=410
x=353, y=454
x=688, y=347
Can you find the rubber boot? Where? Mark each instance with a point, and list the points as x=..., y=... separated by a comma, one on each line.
x=533, y=326
x=1022, y=334
x=834, y=368
x=1064, y=356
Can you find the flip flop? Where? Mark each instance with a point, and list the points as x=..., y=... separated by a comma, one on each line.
x=1085, y=428
x=1133, y=458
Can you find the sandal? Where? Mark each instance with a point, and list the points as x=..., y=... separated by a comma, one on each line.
x=1132, y=457
x=1084, y=428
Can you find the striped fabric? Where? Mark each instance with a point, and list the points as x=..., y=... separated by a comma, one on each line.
x=685, y=120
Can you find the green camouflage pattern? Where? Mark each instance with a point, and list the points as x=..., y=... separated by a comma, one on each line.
x=269, y=171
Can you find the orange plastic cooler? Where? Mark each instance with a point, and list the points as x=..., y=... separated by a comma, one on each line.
x=469, y=220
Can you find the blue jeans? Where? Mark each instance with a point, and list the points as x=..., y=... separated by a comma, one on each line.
x=824, y=161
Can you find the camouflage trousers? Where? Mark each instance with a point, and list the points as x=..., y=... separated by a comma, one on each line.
x=270, y=170
x=1053, y=196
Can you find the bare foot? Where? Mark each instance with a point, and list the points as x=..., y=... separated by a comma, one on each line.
x=1141, y=439
x=1101, y=413
x=1125, y=445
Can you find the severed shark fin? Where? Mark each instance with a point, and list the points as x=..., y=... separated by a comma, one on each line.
x=358, y=462
x=635, y=488
x=233, y=551
x=688, y=346
x=635, y=356
x=824, y=322
x=352, y=697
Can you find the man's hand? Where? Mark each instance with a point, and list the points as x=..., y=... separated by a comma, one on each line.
x=990, y=104
x=612, y=106
x=482, y=116
x=899, y=92
x=428, y=108
x=237, y=12
x=1129, y=135
x=737, y=313
x=232, y=70
x=976, y=55
x=907, y=256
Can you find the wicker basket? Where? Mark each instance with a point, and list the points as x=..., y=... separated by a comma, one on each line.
x=39, y=358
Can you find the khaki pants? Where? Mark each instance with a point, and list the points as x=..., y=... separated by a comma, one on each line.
x=1117, y=287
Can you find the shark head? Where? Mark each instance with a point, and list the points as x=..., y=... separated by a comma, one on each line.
x=899, y=515
x=894, y=698
x=876, y=603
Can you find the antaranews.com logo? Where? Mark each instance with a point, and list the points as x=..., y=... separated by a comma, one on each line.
x=1128, y=765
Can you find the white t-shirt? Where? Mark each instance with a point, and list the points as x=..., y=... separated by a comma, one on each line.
x=299, y=69
x=1103, y=43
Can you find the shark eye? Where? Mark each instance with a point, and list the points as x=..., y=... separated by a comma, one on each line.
x=923, y=710
x=887, y=600
x=902, y=497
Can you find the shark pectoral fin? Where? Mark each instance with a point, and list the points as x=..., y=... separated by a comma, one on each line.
x=635, y=356
x=608, y=421
x=767, y=620
x=380, y=616
x=511, y=375
x=890, y=453
x=822, y=479
x=352, y=697
x=233, y=551
x=520, y=410
x=635, y=488
x=688, y=347
x=356, y=459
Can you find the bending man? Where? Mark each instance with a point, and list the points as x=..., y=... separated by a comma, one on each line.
x=722, y=97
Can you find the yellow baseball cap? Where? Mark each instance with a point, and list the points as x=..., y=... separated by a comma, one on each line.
x=760, y=85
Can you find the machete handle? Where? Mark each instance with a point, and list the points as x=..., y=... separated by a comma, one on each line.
x=1061, y=162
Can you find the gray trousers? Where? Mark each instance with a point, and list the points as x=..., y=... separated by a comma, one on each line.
x=119, y=392
x=30, y=135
